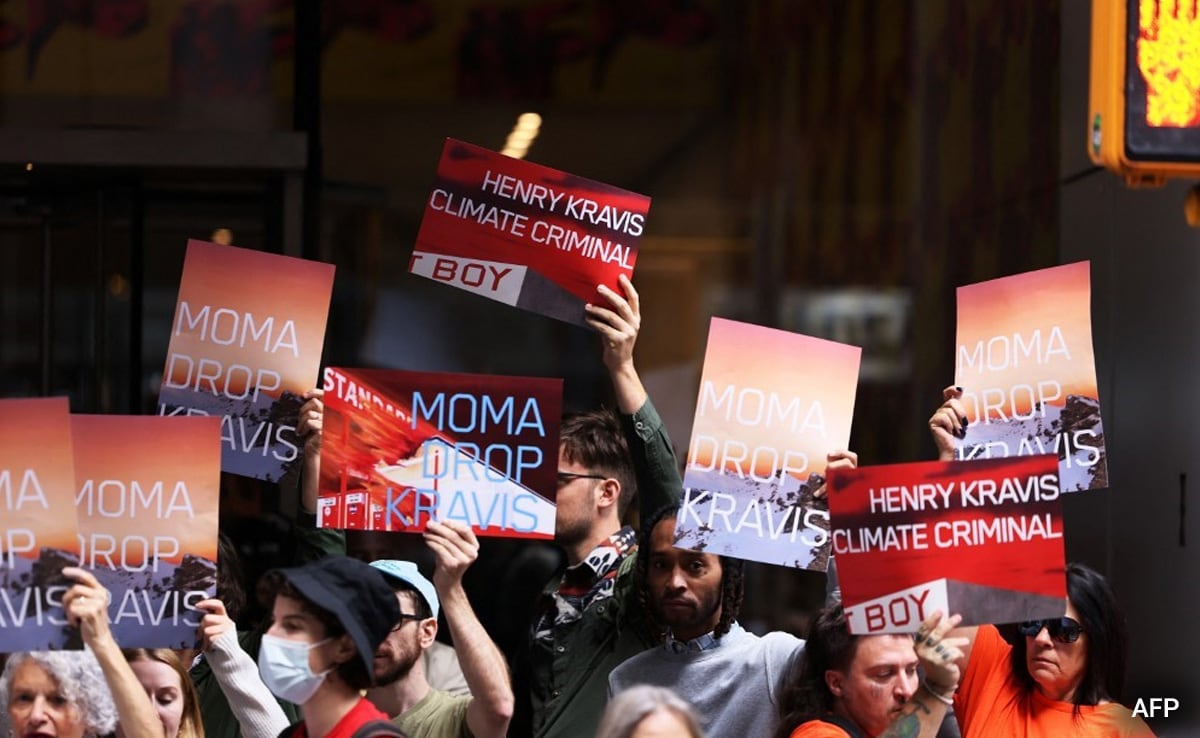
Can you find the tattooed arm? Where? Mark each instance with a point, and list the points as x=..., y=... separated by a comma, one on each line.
x=942, y=657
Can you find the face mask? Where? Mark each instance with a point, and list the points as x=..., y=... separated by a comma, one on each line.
x=283, y=665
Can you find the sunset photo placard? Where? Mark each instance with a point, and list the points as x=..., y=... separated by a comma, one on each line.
x=1024, y=359
x=147, y=509
x=399, y=449
x=983, y=539
x=772, y=406
x=524, y=234
x=245, y=346
x=38, y=535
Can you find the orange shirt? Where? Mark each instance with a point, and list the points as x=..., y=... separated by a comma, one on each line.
x=818, y=729
x=991, y=704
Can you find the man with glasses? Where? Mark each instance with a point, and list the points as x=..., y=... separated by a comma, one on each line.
x=401, y=688
x=584, y=627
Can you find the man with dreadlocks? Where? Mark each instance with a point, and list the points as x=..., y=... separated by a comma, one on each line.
x=732, y=677
x=585, y=625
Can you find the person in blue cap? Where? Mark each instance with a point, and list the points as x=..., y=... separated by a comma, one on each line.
x=402, y=689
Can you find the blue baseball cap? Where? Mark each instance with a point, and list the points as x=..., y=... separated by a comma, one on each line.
x=407, y=572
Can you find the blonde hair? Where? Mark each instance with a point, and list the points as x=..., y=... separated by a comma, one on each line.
x=192, y=724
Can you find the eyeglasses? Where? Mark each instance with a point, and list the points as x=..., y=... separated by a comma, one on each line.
x=568, y=477
x=404, y=618
x=1063, y=630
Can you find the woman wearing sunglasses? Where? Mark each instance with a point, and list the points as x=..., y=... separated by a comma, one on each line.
x=1059, y=677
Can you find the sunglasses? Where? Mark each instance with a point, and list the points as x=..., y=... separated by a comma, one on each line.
x=1063, y=630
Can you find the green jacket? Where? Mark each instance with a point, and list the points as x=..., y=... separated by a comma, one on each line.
x=569, y=677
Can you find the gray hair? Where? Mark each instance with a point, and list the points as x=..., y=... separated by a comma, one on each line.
x=629, y=708
x=80, y=682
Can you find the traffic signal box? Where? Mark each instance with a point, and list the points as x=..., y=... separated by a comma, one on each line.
x=1144, y=95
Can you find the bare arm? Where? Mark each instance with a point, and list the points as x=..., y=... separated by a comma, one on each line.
x=86, y=606
x=308, y=427
x=618, y=324
x=484, y=667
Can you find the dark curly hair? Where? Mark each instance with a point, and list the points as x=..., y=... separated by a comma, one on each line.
x=805, y=694
x=1107, y=639
x=732, y=584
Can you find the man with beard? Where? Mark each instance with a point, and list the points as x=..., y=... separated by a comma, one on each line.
x=732, y=677
x=401, y=688
x=868, y=686
x=586, y=621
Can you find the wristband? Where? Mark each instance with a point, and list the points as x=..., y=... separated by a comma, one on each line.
x=939, y=695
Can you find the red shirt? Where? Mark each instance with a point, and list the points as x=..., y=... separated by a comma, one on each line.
x=362, y=712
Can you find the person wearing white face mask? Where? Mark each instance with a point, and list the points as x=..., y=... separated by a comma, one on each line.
x=328, y=618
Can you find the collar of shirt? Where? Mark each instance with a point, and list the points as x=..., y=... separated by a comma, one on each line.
x=702, y=643
x=601, y=561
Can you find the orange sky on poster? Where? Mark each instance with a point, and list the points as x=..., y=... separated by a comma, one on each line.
x=147, y=450
x=35, y=434
x=756, y=362
x=993, y=313
x=264, y=286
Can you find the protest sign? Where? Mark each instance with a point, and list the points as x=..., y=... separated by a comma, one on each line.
x=1024, y=360
x=979, y=538
x=38, y=535
x=772, y=406
x=245, y=346
x=401, y=448
x=147, y=508
x=524, y=234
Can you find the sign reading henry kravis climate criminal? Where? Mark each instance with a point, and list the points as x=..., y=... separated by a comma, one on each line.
x=401, y=448
x=524, y=234
x=980, y=538
x=245, y=346
x=772, y=406
x=1024, y=360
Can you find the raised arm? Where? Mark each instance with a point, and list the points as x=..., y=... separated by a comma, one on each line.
x=308, y=427
x=86, y=607
x=312, y=542
x=939, y=650
x=654, y=460
x=258, y=713
x=948, y=422
x=618, y=324
x=484, y=667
